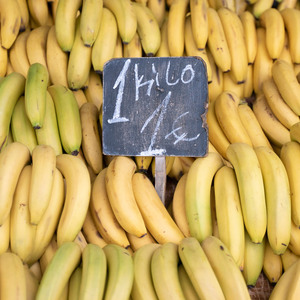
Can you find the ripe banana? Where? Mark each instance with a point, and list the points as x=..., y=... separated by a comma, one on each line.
x=295, y=132
x=156, y=217
x=21, y=128
x=24, y=15
x=58, y=271
x=68, y=118
x=94, y=91
x=148, y=29
x=11, y=88
x=137, y=242
x=197, y=194
x=79, y=62
x=77, y=198
x=39, y=11
x=93, y=278
x=120, y=274
x=186, y=284
x=91, y=12
x=32, y=283
x=199, y=269
x=163, y=50
x=224, y=266
x=13, y=159
x=121, y=196
x=143, y=288
x=125, y=16
x=65, y=19
x=294, y=244
x=229, y=213
x=229, y=84
x=288, y=258
x=105, y=43
x=158, y=8
x=103, y=215
x=143, y=162
x=134, y=47
x=251, y=189
x=5, y=235
x=260, y=6
x=74, y=284
x=35, y=94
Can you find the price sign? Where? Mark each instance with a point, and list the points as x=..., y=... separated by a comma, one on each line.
x=155, y=106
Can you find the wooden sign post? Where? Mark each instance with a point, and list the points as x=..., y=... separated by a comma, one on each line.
x=155, y=106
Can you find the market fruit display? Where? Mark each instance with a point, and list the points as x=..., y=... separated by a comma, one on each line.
x=78, y=224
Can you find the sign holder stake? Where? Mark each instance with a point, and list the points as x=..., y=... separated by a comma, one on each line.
x=160, y=177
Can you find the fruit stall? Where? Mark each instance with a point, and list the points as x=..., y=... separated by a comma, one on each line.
x=86, y=212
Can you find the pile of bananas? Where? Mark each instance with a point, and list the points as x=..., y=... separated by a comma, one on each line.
x=78, y=224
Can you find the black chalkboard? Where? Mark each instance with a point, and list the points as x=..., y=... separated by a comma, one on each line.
x=155, y=106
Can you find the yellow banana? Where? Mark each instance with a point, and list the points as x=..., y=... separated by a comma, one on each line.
x=119, y=272
x=134, y=47
x=94, y=90
x=138, y=242
x=295, y=132
x=199, y=269
x=74, y=284
x=176, y=170
x=294, y=244
x=79, y=62
x=80, y=97
x=5, y=235
x=91, y=12
x=229, y=84
x=21, y=128
x=13, y=158
x=260, y=6
x=48, y=254
x=121, y=196
x=163, y=50
x=93, y=276
x=39, y=11
x=288, y=258
x=105, y=43
x=103, y=215
x=158, y=8
x=36, y=93
x=251, y=189
x=125, y=16
x=143, y=162
x=32, y=283
x=186, y=284
x=285, y=53
x=4, y=53
x=224, y=266
x=286, y=4
x=169, y=164
x=197, y=194
x=24, y=15
x=248, y=85
x=58, y=271
x=68, y=118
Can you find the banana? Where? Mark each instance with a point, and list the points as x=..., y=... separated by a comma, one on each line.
x=94, y=91
x=74, y=284
x=68, y=118
x=226, y=110
x=230, y=4
x=148, y=29
x=105, y=43
x=32, y=283
x=36, y=45
x=252, y=126
x=133, y=48
x=216, y=42
x=289, y=155
x=286, y=4
x=77, y=199
x=278, y=199
x=229, y=213
x=91, y=12
x=120, y=274
x=249, y=26
x=56, y=59
x=13, y=158
x=3, y=61
x=279, y=107
x=118, y=179
x=272, y=266
x=229, y=84
x=163, y=50
x=164, y=272
x=5, y=235
x=288, y=258
x=93, y=276
x=143, y=162
x=80, y=97
x=197, y=194
x=118, y=51
x=39, y=11
x=58, y=271
x=294, y=291
x=138, y=242
x=224, y=266
x=295, y=132
x=79, y=63
x=24, y=15
x=178, y=206
x=176, y=21
x=294, y=244
x=158, y=8
x=288, y=86
x=65, y=19
x=90, y=231
x=176, y=170
x=49, y=134
x=199, y=269
x=143, y=288
x=285, y=53
x=234, y=33
x=45, y=229
x=22, y=233
x=191, y=47
x=156, y=217
x=126, y=18
x=262, y=67
x=260, y=6
x=292, y=25
x=251, y=189
x=11, y=88
x=12, y=277
x=186, y=284
x=274, y=130
x=36, y=93
x=169, y=164
x=21, y=127
x=48, y=254
x=103, y=215
x=10, y=20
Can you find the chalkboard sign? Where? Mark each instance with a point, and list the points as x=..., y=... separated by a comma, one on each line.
x=155, y=106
